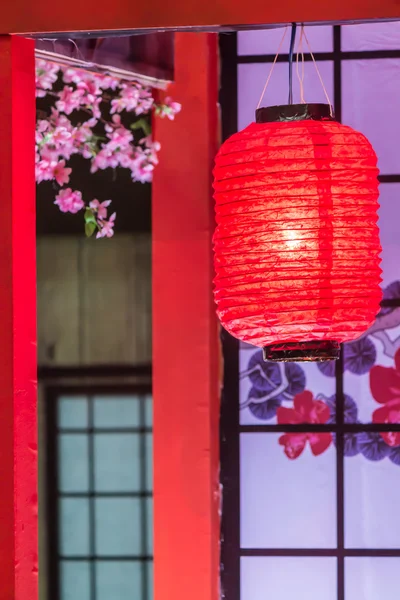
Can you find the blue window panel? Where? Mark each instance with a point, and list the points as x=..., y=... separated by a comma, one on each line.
x=75, y=580
x=116, y=411
x=119, y=580
x=74, y=527
x=73, y=466
x=149, y=461
x=117, y=462
x=118, y=526
x=73, y=412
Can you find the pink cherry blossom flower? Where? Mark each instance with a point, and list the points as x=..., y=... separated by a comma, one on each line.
x=43, y=171
x=103, y=160
x=46, y=75
x=57, y=139
x=119, y=138
x=49, y=153
x=61, y=173
x=69, y=100
x=69, y=201
x=107, y=227
x=109, y=83
x=100, y=208
x=72, y=76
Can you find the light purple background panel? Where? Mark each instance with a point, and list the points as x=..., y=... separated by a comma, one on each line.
x=284, y=503
x=252, y=77
x=284, y=578
x=372, y=578
x=370, y=104
x=372, y=501
x=371, y=36
x=389, y=225
x=267, y=41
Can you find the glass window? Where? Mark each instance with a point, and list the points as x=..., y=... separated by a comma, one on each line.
x=101, y=486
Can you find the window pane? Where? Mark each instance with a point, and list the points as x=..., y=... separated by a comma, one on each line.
x=72, y=412
x=252, y=77
x=117, y=462
x=148, y=409
x=116, y=411
x=287, y=503
x=369, y=365
x=371, y=36
x=372, y=578
x=267, y=41
x=74, y=527
x=118, y=526
x=73, y=466
x=119, y=580
x=75, y=580
x=266, y=386
x=150, y=585
x=149, y=461
x=372, y=493
x=149, y=526
x=286, y=578
x=370, y=98
x=389, y=218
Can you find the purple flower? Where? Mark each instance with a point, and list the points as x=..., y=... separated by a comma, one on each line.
x=351, y=445
x=350, y=409
x=296, y=381
x=266, y=377
x=359, y=356
x=395, y=455
x=372, y=445
x=389, y=293
x=263, y=410
x=327, y=367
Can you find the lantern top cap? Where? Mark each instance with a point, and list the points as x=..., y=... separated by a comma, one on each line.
x=294, y=112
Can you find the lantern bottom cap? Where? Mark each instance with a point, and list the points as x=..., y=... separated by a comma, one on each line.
x=316, y=351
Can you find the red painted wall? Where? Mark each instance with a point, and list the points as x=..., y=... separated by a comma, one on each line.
x=185, y=334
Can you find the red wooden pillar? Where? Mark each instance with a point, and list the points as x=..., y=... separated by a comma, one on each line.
x=185, y=334
x=18, y=445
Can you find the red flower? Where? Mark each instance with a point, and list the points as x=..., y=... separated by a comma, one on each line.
x=385, y=388
x=306, y=410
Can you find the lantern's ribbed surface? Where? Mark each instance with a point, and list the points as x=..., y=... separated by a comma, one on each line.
x=297, y=242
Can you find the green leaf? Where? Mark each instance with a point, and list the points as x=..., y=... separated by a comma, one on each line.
x=89, y=217
x=90, y=228
x=142, y=124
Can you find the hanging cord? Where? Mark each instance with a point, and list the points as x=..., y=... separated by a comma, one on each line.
x=300, y=77
x=272, y=67
x=291, y=51
x=319, y=75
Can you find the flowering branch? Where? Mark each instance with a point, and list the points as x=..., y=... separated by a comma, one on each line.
x=92, y=117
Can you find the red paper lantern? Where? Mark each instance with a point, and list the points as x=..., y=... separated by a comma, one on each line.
x=297, y=242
